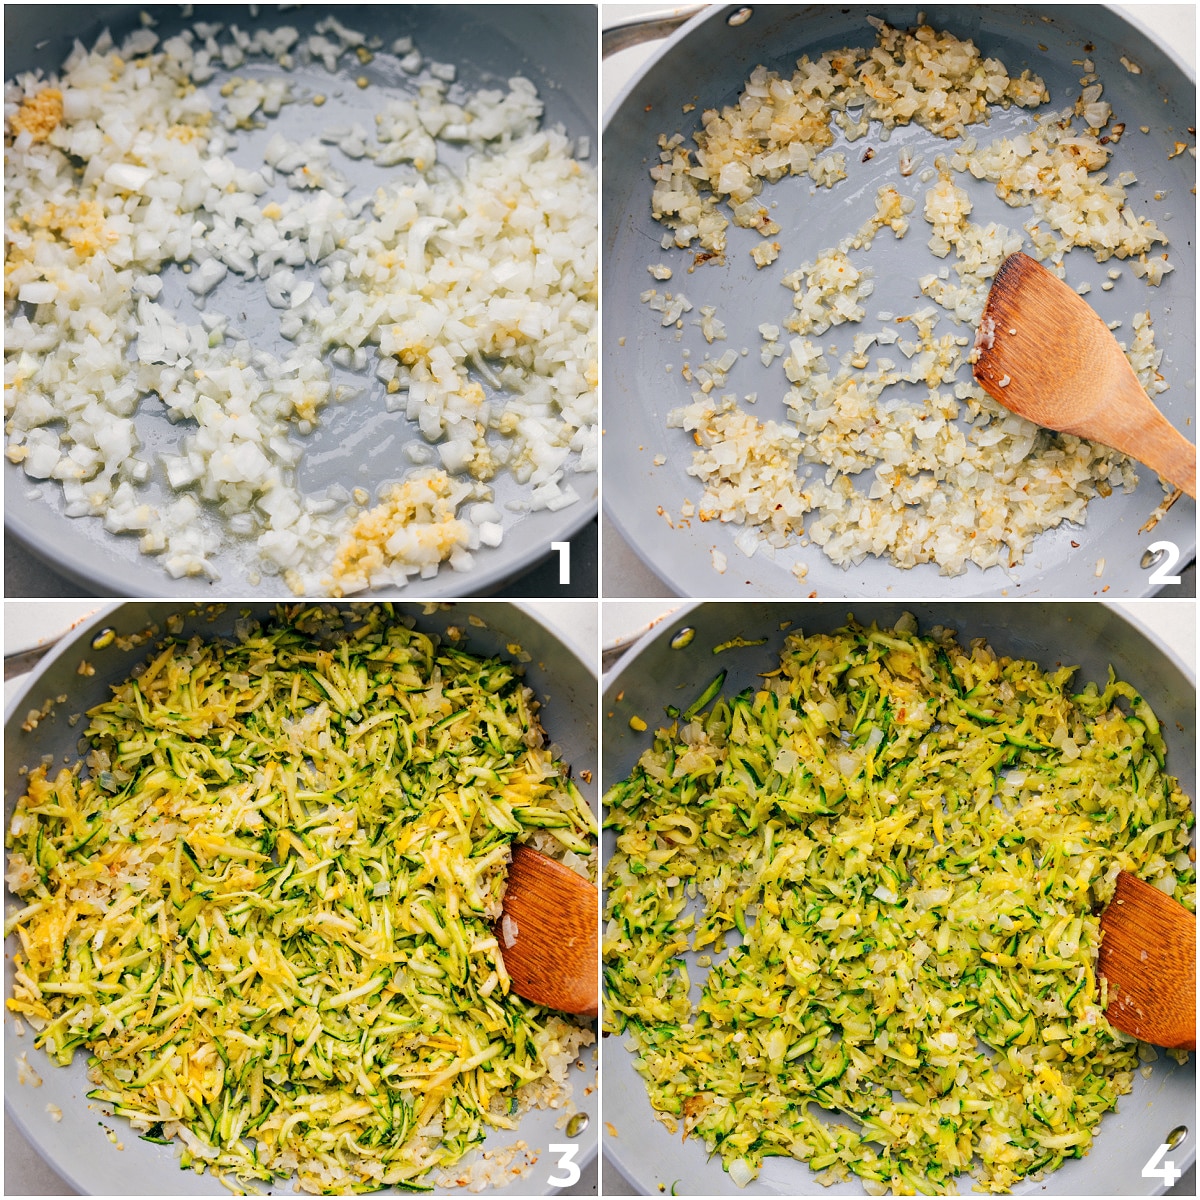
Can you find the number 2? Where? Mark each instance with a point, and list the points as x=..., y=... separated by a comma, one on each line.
x=1163, y=573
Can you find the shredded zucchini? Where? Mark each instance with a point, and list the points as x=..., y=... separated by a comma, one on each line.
x=263, y=904
x=896, y=851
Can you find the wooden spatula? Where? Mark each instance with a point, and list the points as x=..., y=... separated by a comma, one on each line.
x=549, y=934
x=1045, y=354
x=1148, y=956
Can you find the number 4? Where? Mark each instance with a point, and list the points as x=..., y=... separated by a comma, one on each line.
x=1167, y=1172
x=566, y=1162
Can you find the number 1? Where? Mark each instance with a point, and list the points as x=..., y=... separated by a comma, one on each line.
x=564, y=561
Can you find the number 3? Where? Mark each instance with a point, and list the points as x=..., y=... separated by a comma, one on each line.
x=566, y=1162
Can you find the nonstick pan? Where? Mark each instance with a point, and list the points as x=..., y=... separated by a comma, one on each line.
x=77, y=1146
x=705, y=64
x=358, y=444
x=654, y=675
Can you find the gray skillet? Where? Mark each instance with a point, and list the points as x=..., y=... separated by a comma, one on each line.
x=77, y=1146
x=706, y=64
x=358, y=444
x=653, y=675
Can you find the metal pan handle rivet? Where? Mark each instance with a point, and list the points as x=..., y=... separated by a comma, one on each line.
x=1176, y=1137
x=740, y=17
x=683, y=638
x=1151, y=559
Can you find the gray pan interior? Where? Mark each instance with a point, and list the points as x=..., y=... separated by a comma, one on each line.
x=706, y=63
x=78, y=1147
x=358, y=444
x=1091, y=635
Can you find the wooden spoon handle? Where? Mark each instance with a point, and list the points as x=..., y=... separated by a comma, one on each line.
x=1173, y=457
x=1133, y=425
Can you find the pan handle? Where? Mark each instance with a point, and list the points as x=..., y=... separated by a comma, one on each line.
x=633, y=31
x=23, y=661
